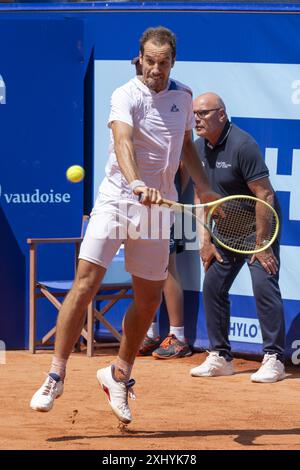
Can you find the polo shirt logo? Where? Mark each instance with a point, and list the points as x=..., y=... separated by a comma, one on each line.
x=223, y=165
x=174, y=109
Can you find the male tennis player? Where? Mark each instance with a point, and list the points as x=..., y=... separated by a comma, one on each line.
x=175, y=344
x=151, y=122
x=234, y=165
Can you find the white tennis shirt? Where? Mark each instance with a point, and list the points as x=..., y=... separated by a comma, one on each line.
x=159, y=121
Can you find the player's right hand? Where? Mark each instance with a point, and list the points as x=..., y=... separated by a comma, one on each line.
x=148, y=196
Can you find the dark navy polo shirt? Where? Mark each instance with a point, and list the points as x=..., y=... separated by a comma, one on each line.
x=233, y=162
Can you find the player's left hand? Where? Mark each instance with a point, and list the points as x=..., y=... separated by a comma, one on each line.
x=267, y=259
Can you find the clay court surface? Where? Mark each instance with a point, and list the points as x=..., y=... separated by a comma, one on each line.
x=173, y=411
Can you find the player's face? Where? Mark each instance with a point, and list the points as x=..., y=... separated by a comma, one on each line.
x=156, y=65
x=209, y=119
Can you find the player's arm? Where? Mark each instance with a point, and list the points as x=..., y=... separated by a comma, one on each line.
x=196, y=171
x=184, y=176
x=124, y=149
x=123, y=143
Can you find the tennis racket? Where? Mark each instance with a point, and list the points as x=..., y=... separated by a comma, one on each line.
x=242, y=224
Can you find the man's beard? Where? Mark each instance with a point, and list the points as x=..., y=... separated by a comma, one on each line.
x=153, y=83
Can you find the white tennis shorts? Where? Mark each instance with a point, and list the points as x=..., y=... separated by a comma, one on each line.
x=145, y=233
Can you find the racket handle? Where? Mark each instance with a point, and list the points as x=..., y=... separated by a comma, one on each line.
x=170, y=203
x=164, y=201
x=167, y=202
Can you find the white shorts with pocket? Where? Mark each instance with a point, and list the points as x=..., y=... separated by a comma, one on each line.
x=115, y=222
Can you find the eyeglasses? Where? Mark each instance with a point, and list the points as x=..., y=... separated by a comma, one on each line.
x=204, y=112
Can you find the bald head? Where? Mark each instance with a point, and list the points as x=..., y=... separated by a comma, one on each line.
x=210, y=115
x=210, y=100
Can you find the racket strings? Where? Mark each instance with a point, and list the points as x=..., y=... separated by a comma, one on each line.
x=243, y=224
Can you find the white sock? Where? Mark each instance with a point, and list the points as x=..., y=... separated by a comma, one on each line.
x=122, y=370
x=153, y=330
x=58, y=366
x=178, y=331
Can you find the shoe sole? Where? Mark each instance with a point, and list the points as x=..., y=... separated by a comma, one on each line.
x=41, y=410
x=147, y=354
x=174, y=356
x=268, y=381
x=44, y=410
x=212, y=375
x=114, y=410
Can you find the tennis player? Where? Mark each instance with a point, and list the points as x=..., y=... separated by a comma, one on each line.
x=234, y=165
x=151, y=122
x=174, y=345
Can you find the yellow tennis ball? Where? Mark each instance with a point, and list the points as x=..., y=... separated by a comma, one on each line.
x=75, y=173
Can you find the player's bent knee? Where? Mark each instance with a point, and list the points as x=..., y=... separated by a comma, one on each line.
x=84, y=289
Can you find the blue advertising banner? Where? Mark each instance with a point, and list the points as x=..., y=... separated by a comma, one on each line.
x=41, y=125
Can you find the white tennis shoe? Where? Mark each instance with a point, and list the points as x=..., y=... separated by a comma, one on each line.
x=117, y=394
x=44, y=397
x=271, y=370
x=213, y=366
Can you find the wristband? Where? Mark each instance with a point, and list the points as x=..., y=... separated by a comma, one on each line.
x=135, y=183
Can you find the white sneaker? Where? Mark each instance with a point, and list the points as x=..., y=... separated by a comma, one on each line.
x=271, y=370
x=44, y=398
x=213, y=366
x=117, y=394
